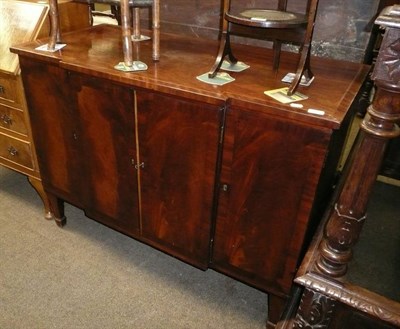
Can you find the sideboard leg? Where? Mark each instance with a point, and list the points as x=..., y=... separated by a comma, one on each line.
x=57, y=208
x=276, y=306
x=37, y=185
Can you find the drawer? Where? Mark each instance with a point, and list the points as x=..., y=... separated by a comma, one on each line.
x=15, y=150
x=9, y=89
x=13, y=119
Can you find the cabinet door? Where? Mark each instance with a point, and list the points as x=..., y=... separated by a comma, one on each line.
x=108, y=150
x=54, y=126
x=270, y=171
x=178, y=142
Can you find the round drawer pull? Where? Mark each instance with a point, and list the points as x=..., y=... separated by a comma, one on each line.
x=12, y=151
x=6, y=119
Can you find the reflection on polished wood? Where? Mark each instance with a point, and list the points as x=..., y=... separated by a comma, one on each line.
x=125, y=20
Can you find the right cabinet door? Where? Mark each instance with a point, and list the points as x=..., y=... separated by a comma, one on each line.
x=270, y=171
x=178, y=146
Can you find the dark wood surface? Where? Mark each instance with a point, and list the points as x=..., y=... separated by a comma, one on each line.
x=221, y=177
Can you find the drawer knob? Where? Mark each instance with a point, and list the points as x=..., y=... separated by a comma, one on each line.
x=2, y=90
x=12, y=151
x=6, y=119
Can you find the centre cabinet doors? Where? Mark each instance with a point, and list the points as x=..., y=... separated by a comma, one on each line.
x=138, y=161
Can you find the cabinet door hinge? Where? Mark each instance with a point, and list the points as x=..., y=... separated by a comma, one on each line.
x=221, y=134
x=222, y=127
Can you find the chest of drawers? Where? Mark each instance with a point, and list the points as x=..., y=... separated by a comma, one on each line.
x=25, y=21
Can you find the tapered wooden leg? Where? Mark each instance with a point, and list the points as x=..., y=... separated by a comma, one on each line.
x=223, y=51
x=277, y=45
x=136, y=23
x=303, y=68
x=57, y=208
x=37, y=185
x=276, y=306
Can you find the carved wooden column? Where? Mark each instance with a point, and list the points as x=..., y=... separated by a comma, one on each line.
x=349, y=213
x=323, y=270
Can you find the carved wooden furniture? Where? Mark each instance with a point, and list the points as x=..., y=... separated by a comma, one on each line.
x=277, y=25
x=330, y=300
x=224, y=178
x=126, y=25
x=23, y=21
x=391, y=162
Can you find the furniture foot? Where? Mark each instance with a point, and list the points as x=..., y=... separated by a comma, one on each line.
x=57, y=208
x=276, y=306
x=60, y=221
x=37, y=185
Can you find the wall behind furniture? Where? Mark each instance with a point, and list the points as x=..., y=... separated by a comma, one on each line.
x=341, y=31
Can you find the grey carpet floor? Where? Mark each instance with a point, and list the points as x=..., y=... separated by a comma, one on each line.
x=89, y=276
x=376, y=261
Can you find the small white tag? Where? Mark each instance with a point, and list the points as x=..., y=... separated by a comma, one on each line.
x=317, y=112
x=296, y=105
x=45, y=47
x=258, y=19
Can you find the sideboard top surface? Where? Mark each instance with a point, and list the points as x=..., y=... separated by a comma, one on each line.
x=96, y=50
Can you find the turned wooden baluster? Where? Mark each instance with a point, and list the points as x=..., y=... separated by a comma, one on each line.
x=55, y=34
x=126, y=26
x=156, y=30
x=379, y=125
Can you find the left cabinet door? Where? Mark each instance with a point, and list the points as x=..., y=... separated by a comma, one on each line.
x=108, y=148
x=54, y=124
x=84, y=133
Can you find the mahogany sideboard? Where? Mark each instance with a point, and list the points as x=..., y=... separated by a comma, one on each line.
x=219, y=177
x=25, y=21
